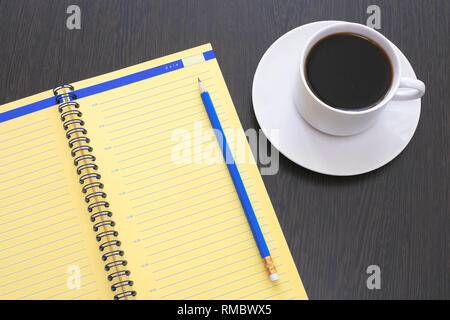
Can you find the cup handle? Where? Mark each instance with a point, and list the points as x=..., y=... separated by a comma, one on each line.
x=409, y=89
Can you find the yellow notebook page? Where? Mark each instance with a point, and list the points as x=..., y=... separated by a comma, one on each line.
x=181, y=224
x=46, y=237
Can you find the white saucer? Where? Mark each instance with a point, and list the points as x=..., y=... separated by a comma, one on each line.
x=273, y=87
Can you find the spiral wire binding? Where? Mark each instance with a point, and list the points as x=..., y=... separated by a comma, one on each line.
x=84, y=161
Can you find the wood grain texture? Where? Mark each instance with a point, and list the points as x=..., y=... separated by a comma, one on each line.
x=396, y=217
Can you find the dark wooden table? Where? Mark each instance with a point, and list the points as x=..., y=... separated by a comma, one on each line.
x=396, y=217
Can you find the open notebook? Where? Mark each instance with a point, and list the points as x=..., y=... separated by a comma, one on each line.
x=177, y=229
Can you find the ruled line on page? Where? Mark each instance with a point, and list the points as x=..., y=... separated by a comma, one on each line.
x=186, y=225
x=211, y=174
x=37, y=212
x=178, y=193
x=23, y=126
x=171, y=129
x=189, y=215
x=39, y=238
x=112, y=132
x=3, y=150
x=209, y=280
x=146, y=129
x=31, y=189
x=34, y=249
x=177, y=264
x=34, y=205
x=40, y=255
x=130, y=142
x=43, y=281
x=28, y=165
x=163, y=164
x=122, y=120
x=277, y=294
x=148, y=89
x=203, y=245
x=246, y=277
x=85, y=294
x=121, y=113
x=212, y=261
x=201, y=238
x=50, y=260
x=50, y=288
x=20, y=235
x=71, y=290
x=31, y=156
x=9, y=154
x=166, y=179
x=134, y=148
x=145, y=114
x=42, y=272
x=165, y=241
x=173, y=265
x=61, y=187
x=253, y=284
x=161, y=148
x=239, y=215
x=184, y=208
x=247, y=285
x=34, y=131
x=31, y=172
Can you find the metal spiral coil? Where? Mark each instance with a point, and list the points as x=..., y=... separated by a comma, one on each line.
x=87, y=169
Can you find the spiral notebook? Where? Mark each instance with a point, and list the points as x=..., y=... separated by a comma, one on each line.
x=97, y=203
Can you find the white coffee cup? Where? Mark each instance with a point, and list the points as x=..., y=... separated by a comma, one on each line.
x=342, y=122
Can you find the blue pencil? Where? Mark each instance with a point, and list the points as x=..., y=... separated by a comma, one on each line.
x=239, y=185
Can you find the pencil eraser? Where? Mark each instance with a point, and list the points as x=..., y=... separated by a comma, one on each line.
x=274, y=277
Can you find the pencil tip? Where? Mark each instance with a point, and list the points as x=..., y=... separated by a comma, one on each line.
x=200, y=84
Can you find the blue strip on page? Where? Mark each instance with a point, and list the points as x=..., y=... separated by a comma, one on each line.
x=101, y=87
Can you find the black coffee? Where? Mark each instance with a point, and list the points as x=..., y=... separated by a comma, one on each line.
x=348, y=71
